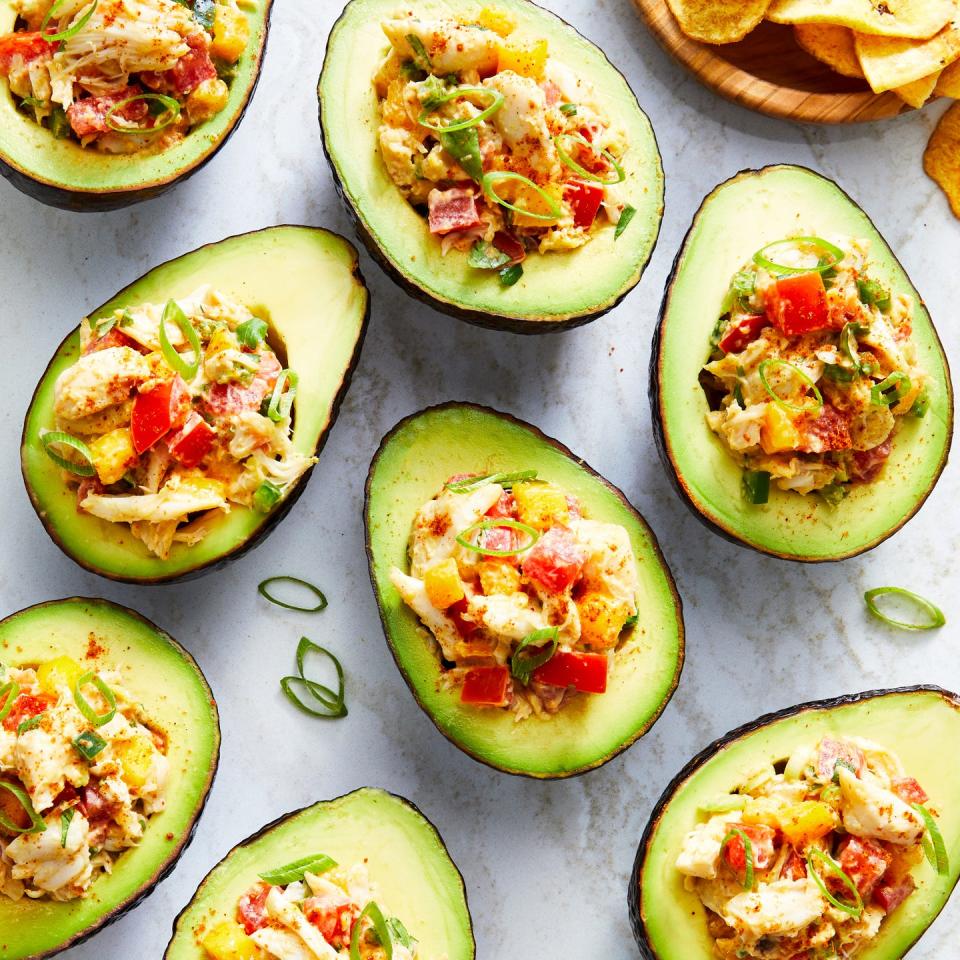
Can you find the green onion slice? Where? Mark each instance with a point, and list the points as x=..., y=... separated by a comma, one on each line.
x=8, y=693
x=88, y=744
x=420, y=56
x=372, y=912
x=522, y=667
x=496, y=176
x=510, y=275
x=735, y=801
x=747, y=882
x=891, y=390
x=854, y=909
x=29, y=724
x=766, y=257
x=332, y=704
x=936, y=615
x=492, y=524
x=281, y=402
x=506, y=480
x=568, y=109
x=756, y=486
x=165, y=119
x=921, y=405
x=66, y=818
x=263, y=590
x=37, y=824
x=266, y=497
x=626, y=217
x=72, y=30
x=438, y=100
x=568, y=161
x=54, y=438
x=796, y=371
x=936, y=851
x=849, y=345
x=291, y=872
x=83, y=705
x=173, y=314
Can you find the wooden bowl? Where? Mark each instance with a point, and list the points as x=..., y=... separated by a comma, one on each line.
x=767, y=71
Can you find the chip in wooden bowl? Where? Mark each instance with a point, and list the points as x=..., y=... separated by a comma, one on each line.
x=831, y=45
x=942, y=157
x=917, y=19
x=718, y=21
x=890, y=62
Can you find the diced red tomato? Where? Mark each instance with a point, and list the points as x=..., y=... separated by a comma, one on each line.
x=908, y=790
x=505, y=507
x=795, y=867
x=252, y=908
x=485, y=686
x=868, y=463
x=93, y=805
x=27, y=46
x=510, y=245
x=193, y=441
x=864, y=861
x=799, y=305
x=833, y=751
x=188, y=72
x=889, y=896
x=156, y=412
x=88, y=117
x=500, y=538
x=466, y=628
x=555, y=561
x=737, y=335
x=334, y=921
x=25, y=707
x=584, y=199
x=453, y=209
x=587, y=672
x=762, y=841
x=225, y=399
x=829, y=430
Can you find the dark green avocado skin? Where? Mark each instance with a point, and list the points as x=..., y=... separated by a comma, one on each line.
x=634, y=889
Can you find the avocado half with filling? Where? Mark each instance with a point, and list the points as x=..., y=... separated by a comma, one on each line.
x=415, y=459
x=177, y=701
x=306, y=284
x=63, y=174
x=917, y=723
x=742, y=215
x=557, y=290
x=407, y=862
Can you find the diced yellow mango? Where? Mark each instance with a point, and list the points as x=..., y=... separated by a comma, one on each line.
x=443, y=584
x=113, y=455
x=57, y=673
x=527, y=59
x=136, y=758
x=761, y=810
x=778, y=432
x=541, y=505
x=231, y=33
x=207, y=100
x=498, y=21
x=601, y=619
x=498, y=576
x=524, y=197
x=228, y=941
x=807, y=821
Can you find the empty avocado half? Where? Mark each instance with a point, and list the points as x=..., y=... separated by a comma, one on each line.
x=407, y=863
x=61, y=173
x=414, y=461
x=557, y=290
x=176, y=701
x=740, y=217
x=669, y=921
x=305, y=283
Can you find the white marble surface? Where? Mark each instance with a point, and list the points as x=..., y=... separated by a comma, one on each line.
x=546, y=864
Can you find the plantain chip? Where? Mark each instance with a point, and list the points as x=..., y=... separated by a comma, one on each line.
x=917, y=93
x=917, y=19
x=949, y=83
x=718, y=21
x=831, y=45
x=942, y=157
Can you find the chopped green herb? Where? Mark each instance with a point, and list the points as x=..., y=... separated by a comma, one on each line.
x=568, y=109
x=522, y=667
x=872, y=294
x=204, y=12
x=834, y=494
x=421, y=58
x=510, y=275
x=89, y=744
x=266, y=497
x=626, y=217
x=921, y=405
x=59, y=125
x=251, y=333
x=485, y=256
x=464, y=147
x=756, y=486
x=66, y=818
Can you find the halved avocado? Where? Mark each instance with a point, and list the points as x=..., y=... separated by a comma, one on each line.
x=738, y=218
x=168, y=683
x=63, y=174
x=306, y=283
x=414, y=461
x=408, y=864
x=917, y=723
x=557, y=290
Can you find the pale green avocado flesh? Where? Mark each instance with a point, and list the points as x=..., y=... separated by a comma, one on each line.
x=556, y=288
x=65, y=174
x=413, y=463
x=304, y=281
x=177, y=701
x=737, y=219
x=917, y=724
x=410, y=870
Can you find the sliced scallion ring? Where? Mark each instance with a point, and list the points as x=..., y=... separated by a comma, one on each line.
x=504, y=479
x=37, y=824
x=83, y=705
x=939, y=859
x=437, y=101
x=332, y=705
x=498, y=176
x=54, y=438
x=164, y=120
x=855, y=909
x=747, y=882
x=936, y=615
x=282, y=402
x=263, y=590
x=384, y=935
x=8, y=693
x=765, y=257
x=891, y=390
x=72, y=30
x=568, y=161
x=173, y=314
x=796, y=371
x=522, y=667
x=266, y=497
x=464, y=538
x=291, y=872
x=31, y=723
